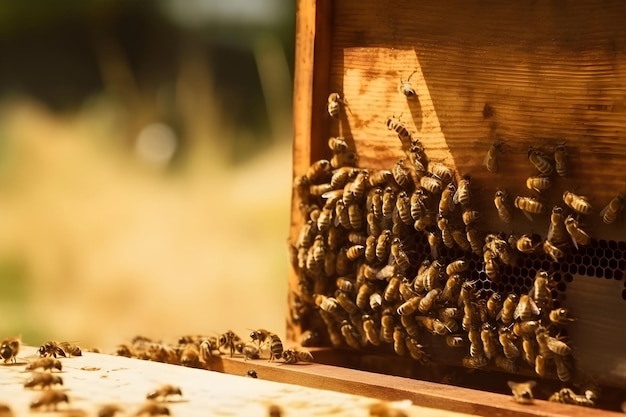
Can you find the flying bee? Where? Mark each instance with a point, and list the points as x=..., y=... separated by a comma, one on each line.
x=43, y=380
x=522, y=391
x=528, y=206
x=462, y=194
x=399, y=345
x=334, y=104
x=372, y=333
x=406, y=88
x=578, y=203
x=427, y=302
x=538, y=183
x=612, y=210
x=578, y=235
x=509, y=348
x=431, y=184
x=415, y=349
x=560, y=317
x=560, y=159
x=350, y=334
x=446, y=205
x=540, y=161
x=152, y=408
x=507, y=314
x=294, y=355
x=395, y=124
x=228, y=340
x=49, y=399
x=440, y=171
x=9, y=348
x=491, y=159
x=553, y=251
x=47, y=363
x=500, y=200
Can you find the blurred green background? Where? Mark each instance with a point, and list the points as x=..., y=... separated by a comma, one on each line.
x=145, y=167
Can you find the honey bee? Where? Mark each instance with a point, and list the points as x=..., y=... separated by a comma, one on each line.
x=338, y=144
x=525, y=328
x=334, y=104
x=163, y=392
x=540, y=161
x=529, y=351
x=190, y=356
x=406, y=88
x=470, y=216
x=528, y=243
x=346, y=302
x=370, y=329
x=389, y=202
x=446, y=234
x=152, y=408
x=491, y=159
x=578, y=235
x=562, y=369
x=399, y=345
x=250, y=351
x=350, y=334
x=228, y=340
x=500, y=200
x=441, y=172
x=475, y=362
x=49, y=399
x=612, y=210
x=529, y=206
x=507, y=314
x=387, y=324
x=494, y=305
x=489, y=339
x=452, y=289
x=381, y=177
x=389, y=409
x=383, y=245
x=578, y=203
x=491, y=266
x=109, y=410
x=474, y=238
x=538, y=183
x=540, y=291
x=432, y=274
x=9, y=348
x=431, y=184
x=522, y=391
x=319, y=171
x=553, y=251
x=415, y=349
x=460, y=239
x=548, y=344
x=43, y=380
x=410, y=306
x=560, y=317
x=560, y=159
x=395, y=124
x=568, y=396
x=294, y=355
x=403, y=204
x=462, y=194
x=446, y=203
x=399, y=255
x=401, y=174
x=427, y=302
x=355, y=252
x=375, y=301
x=540, y=365
x=526, y=309
x=476, y=343
x=46, y=364
x=276, y=347
x=252, y=374
x=455, y=341
x=509, y=348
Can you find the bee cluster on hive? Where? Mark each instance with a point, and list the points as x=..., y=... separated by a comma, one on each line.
x=397, y=260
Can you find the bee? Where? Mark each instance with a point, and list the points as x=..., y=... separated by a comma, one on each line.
x=370, y=329
x=522, y=391
x=560, y=159
x=403, y=204
x=500, y=200
x=441, y=172
x=389, y=409
x=163, y=392
x=47, y=363
x=475, y=362
x=383, y=245
x=9, y=348
x=252, y=374
x=560, y=317
x=434, y=241
x=250, y=351
x=476, y=343
x=553, y=251
x=526, y=309
x=491, y=266
x=387, y=324
x=410, y=306
x=475, y=240
x=363, y=295
x=578, y=203
x=528, y=243
x=507, y=314
x=346, y=302
x=375, y=301
x=43, y=380
x=338, y=144
x=49, y=399
x=431, y=275
x=489, y=339
x=431, y=184
x=491, y=159
x=446, y=203
x=452, y=289
x=509, y=348
x=381, y=177
x=528, y=206
x=455, y=341
x=319, y=171
x=294, y=355
x=612, y=210
x=557, y=233
x=190, y=355
x=462, y=194
x=540, y=291
x=579, y=236
x=228, y=340
x=109, y=410
x=427, y=302
x=538, y=183
x=399, y=345
x=350, y=334
x=525, y=328
x=389, y=202
x=540, y=161
x=562, y=369
x=460, y=239
x=470, y=217
x=401, y=174
x=549, y=345
x=276, y=347
x=415, y=349
x=540, y=365
x=446, y=234
x=395, y=124
x=568, y=396
x=152, y=408
x=399, y=255
x=494, y=305
x=529, y=351
x=334, y=104
x=406, y=88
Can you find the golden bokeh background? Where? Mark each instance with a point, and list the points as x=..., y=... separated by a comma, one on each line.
x=145, y=169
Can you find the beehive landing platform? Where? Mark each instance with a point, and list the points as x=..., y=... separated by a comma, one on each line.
x=309, y=389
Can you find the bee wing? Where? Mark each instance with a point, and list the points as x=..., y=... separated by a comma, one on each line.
x=528, y=215
x=455, y=197
x=605, y=209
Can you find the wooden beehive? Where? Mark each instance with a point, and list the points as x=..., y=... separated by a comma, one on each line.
x=526, y=73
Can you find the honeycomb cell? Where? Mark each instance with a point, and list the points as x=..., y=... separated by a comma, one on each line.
x=523, y=272
x=624, y=294
x=608, y=273
x=586, y=261
x=554, y=293
x=603, y=244
x=561, y=287
x=536, y=264
x=546, y=265
x=608, y=253
x=598, y=252
x=591, y=271
x=612, y=263
x=556, y=277
x=508, y=288
x=619, y=274
x=613, y=245
x=604, y=262
x=595, y=261
x=621, y=246
x=521, y=282
x=569, y=278
x=528, y=282
x=581, y=269
x=578, y=259
x=573, y=268
x=621, y=265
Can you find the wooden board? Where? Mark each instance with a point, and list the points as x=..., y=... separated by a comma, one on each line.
x=526, y=73
x=310, y=389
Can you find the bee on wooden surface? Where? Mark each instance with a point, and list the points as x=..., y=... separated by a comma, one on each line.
x=319, y=171
x=250, y=351
x=338, y=144
x=109, y=410
x=395, y=124
x=529, y=206
x=190, y=355
x=509, y=348
x=43, y=380
x=334, y=104
x=560, y=317
x=578, y=203
x=538, y=183
x=406, y=88
x=578, y=235
x=163, y=392
x=522, y=391
x=462, y=194
x=415, y=349
x=205, y=350
x=294, y=355
x=507, y=314
x=528, y=243
x=9, y=348
x=350, y=334
x=228, y=340
x=568, y=396
x=553, y=251
x=252, y=374
x=540, y=161
x=491, y=159
x=153, y=408
x=560, y=159
x=500, y=200
x=431, y=184
x=276, y=347
x=490, y=341
x=49, y=399
x=47, y=364
x=446, y=203
x=612, y=210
